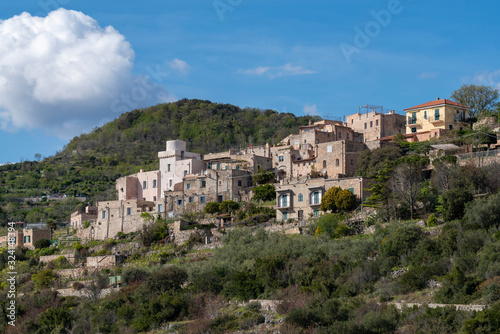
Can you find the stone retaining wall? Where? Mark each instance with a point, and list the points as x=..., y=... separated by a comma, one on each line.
x=458, y=307
x=48, y=258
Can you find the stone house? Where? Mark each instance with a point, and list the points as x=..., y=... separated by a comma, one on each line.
x=210, y=186
x=375, y=125
x=78, y=218
x=122, y=216
x=300, y=198
x=25, y=238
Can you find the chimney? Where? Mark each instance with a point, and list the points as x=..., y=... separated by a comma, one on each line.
x=310, y=122
x=438, y=98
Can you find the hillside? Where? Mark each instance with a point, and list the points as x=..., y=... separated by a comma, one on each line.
x=90, y=163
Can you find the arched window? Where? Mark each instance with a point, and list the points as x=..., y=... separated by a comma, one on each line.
x=301, y=197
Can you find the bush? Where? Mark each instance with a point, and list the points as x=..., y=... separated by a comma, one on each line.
x=432, y=221
x=265, y=192
x=86, y=224
x=42, y=243
x=402, y=241
x=165, y=279
x=212, y=207
x=77, y=286
x=484, y=213
x=229, y=206
x=132, y=275
x=453, y=203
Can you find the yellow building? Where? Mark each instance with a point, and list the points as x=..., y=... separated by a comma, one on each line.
x=437, y=115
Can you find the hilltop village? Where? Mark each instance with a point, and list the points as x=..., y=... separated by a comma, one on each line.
x=322, y=155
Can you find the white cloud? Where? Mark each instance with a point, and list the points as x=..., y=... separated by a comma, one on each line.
x=488, y=79
x=427, y=75
x=180, y=65
x=310, y=109
x=277, y=71
x=64, y=73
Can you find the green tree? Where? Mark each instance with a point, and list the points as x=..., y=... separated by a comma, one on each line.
x=345, y=200
x=264, y=192
x=262, y=176
x=407, y=178
x=229, y=206
x=42, y=243
x=328, y=201
x=482, y=100
x=212, y=207
x=453, y=202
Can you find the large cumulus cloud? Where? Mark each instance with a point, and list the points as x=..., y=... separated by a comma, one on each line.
x=65, y=73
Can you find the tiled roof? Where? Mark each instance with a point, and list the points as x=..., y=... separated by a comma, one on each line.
x=437, y=103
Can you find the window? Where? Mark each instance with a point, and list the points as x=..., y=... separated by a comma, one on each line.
x=316, y=213
x=27, y=239
x=281, y=158
x=220, y=183
x=285, y=215
x=329, y=149
x=337, y=162
x=324, y=163
x=351, y=190
x=202, y=199
x=451, y=127
x=365, y=125
x=170, y=182
x=348, y=136
x=182, y=155
x=144, y=184
x=425, y=114
x=413, y=118
x=191, y=199
x=352, y=162
x=283, y=201
x=340, y=134
x=203, y=183
x=300, y=214
x=371, y=124
x=413, y=130
x=168, y=168
x=179, y=202
x=185, y=172
x=296, y=142
x=227, y=166
x=316, y=197
x=155, y=184
x=160, y=207
x=239, y=183
x=154, y=198
x=355, y=149
x=301, y=197
x=209, y=165
x=376, y=122
x=218, y=166
x=103, y=214
x=129, y=211
x=188, y=186
x=317, y=141
x=237, y=167
x=436, y=114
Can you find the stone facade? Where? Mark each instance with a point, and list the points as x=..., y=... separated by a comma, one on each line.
x=78, y=218
x=300, y=198
x=244, y=159
x=374, y=125
x=26, y=238
x=122, y=216
x=143, y=185
x=212, y=186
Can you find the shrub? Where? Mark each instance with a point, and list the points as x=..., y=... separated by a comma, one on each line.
x=402, y=241
x=77, y=286
x=229, y=206
x=432, y=221
x=165, y=279
x=484, y=213
x=42, y=243
x=265, y=192
x=212, y=207
x=453, y=202
x=132, y=274
x=43, y=278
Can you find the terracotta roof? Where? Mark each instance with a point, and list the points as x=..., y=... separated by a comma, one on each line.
x=436, y=103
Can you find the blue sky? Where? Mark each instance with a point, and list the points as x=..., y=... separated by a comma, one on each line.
x=80, y=67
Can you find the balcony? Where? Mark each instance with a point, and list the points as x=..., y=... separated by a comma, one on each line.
x=436, y=120
x=413, y=123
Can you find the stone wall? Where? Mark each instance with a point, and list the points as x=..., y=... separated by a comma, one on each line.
x=105, y=261
x=71, y=273
x=458, y=307
x=48, y=258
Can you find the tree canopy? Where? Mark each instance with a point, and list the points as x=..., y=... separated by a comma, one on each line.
x=482, y=100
